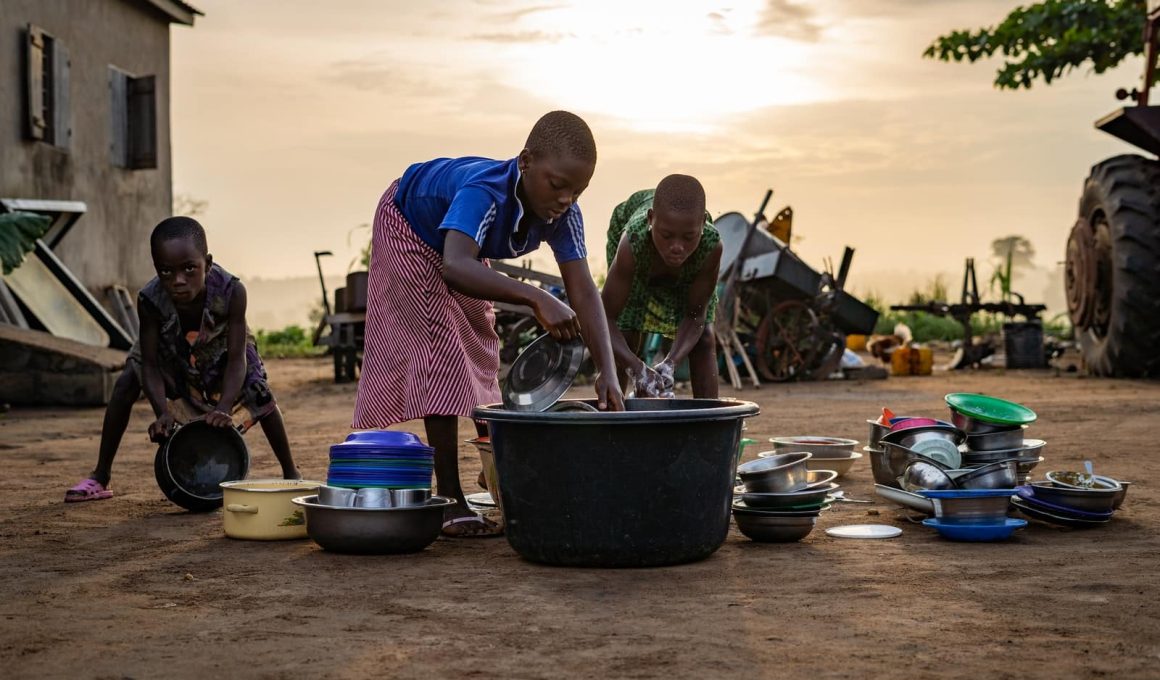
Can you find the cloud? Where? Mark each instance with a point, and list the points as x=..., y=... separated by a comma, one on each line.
x=785, y=19
x=520, y=37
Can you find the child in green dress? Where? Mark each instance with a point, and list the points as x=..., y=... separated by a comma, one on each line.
x=664, y=255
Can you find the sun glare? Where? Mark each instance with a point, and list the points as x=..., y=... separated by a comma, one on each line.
x=659, y=66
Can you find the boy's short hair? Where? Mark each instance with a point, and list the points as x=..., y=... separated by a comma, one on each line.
x=561, y=132
x=179, y=227
x=680, y=193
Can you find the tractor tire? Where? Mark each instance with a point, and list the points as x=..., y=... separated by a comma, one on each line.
x=1113, y=269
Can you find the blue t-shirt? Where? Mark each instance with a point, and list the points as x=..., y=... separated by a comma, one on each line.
x=477, y=196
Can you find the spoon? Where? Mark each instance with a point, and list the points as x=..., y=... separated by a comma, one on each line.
x=1091, y=477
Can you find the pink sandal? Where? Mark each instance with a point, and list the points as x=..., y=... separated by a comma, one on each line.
x=87, y=490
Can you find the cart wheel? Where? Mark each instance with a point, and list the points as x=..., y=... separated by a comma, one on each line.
x=791, y=343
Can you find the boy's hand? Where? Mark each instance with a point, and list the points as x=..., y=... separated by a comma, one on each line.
x=160, y=429
x=557, y=318
x=218, y=418
x=608, y=394
x=645, y=383
x=665, y=371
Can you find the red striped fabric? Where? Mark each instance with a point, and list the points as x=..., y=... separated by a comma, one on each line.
x=429, y=350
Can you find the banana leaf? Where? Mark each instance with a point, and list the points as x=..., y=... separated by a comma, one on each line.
x=18, y=234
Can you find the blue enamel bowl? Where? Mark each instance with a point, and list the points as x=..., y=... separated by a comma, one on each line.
x=976, y=533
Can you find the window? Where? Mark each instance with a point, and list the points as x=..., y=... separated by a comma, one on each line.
x=133, y=120
x=47, y=89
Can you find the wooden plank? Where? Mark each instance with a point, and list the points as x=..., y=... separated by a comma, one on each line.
x=61, y=106
x=519, y=272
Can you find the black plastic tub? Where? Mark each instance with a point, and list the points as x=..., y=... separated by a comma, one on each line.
x=647, y=487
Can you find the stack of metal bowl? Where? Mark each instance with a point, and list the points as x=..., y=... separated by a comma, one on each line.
x=780, y=497
x=995, y=432
x=972, y=514
x=829, y=453
x=1071, y=499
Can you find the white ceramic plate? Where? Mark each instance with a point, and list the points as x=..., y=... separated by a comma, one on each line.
x=864, y=531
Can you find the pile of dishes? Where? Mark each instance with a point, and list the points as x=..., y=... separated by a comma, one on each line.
x=1072, y=499
x=381, y=460
x=829, y=453
x=995, y=432
x=780, y=497
x=377, y=499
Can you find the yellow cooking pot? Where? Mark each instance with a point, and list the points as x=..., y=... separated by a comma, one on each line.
x=260, y=509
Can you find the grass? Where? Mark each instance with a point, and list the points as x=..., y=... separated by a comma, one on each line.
x=291, y=342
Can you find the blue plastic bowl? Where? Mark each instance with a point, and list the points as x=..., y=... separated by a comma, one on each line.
x=965, y=493
x=977, y=533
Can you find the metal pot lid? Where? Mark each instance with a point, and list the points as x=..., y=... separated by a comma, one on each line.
x=542, y=373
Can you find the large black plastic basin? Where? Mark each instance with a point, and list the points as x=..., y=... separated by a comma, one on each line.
x=646, y=487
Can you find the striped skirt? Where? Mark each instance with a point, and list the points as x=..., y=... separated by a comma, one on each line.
x=428, y=350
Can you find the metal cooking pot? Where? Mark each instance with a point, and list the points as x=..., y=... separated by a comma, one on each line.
x=261, y=509
x=193, y=462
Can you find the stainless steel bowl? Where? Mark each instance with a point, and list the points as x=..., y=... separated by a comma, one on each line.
x=788, y=499
x=838, y=465
x=898, y=457
x=820, y=478
x=911, y=436
x=1001, y=475
x=971, y=510
x=996, y=441
x=880, y=467
x=877, y=432
x=1088, y=500
x=1031, y=450
x=972, y=426
x=764, y=529
x=1121, y=495
x=1073, y=480
x=778, y=473
x=374, y=531
x=905, y=498
x=821, y=447
x=921, y=475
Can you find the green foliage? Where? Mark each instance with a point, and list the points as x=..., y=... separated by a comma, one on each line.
x=289, y=342
x=18, y=234
x=363, y=259
x=1046, y=40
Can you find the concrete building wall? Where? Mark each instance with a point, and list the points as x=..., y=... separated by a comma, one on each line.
x=109, y=244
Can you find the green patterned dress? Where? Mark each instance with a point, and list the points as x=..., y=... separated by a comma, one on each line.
x=655, y=306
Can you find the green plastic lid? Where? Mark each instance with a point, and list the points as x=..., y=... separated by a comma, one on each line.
x=990, y=409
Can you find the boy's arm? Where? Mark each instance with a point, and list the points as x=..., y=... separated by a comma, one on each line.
x=585, y=298
x=152, y=383
x=464, y=273
x=693, y=323
x=615, y=296
x=235, y=375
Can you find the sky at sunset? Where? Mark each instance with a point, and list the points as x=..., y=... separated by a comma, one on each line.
x=291, y=117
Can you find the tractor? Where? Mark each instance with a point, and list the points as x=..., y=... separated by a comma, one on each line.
x=1112, y=268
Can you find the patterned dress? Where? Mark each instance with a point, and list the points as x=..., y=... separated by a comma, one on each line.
x=192, y=365
x=655, y=306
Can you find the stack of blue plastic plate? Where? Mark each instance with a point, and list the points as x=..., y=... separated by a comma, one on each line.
x=381, y=459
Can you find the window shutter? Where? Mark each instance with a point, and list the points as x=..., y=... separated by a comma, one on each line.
x=61, y=113
x=143, y=122
x=118, y=117
x=37, y=126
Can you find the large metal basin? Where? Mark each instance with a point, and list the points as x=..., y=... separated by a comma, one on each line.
x=646, y=487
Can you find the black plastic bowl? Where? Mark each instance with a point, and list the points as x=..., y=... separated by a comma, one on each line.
x=191, y=465
x=646, y=487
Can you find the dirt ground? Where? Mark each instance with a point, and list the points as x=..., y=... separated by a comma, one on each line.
x=135, y=587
